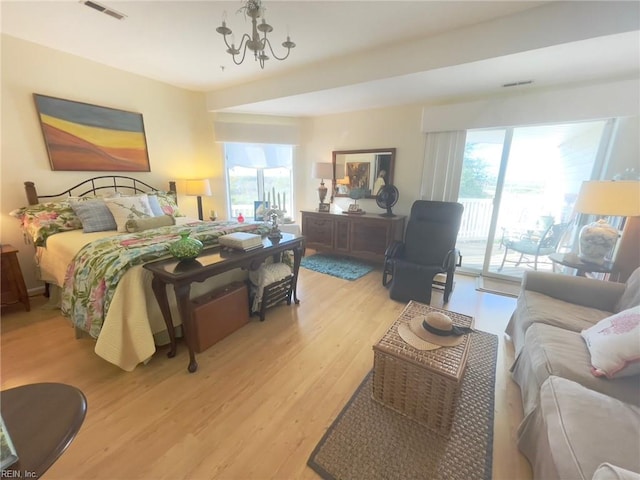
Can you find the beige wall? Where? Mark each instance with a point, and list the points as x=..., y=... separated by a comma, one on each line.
x=397, y=127
x=181, y=138
x=178, y=129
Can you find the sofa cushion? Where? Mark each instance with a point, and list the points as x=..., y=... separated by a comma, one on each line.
x=533, y=307
x=631, y=296
x=575, y=429
x=614, y=344
x=555, y=351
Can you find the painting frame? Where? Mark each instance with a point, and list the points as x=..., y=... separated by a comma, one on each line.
x=81, y=136
x=359, y=175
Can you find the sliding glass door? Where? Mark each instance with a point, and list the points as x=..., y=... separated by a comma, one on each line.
x=518, y=187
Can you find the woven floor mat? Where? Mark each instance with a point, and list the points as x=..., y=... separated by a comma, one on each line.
x=337, y=266
x=369, y=441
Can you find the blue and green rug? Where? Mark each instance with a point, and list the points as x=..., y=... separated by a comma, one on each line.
x=341, y=267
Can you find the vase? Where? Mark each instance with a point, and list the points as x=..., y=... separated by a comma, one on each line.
x=597, y=239
x=186, y=248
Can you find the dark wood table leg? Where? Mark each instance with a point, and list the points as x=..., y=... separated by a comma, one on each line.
x=297, y=258
x=184, y=307
x=160, y=292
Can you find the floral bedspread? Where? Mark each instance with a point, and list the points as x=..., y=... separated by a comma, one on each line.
x=93, y=275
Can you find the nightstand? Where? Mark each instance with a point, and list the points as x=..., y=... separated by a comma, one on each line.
x=13, y=288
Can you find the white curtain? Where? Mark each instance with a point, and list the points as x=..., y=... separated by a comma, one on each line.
x=257, y=155
x=442, y=167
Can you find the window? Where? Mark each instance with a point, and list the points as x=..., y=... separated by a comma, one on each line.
x=258, y=172
x=518, y=181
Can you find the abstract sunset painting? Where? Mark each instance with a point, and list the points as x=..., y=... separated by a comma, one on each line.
x=85, y=137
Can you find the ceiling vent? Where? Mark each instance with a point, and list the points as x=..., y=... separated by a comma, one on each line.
x=103, y=9
x=516, y=84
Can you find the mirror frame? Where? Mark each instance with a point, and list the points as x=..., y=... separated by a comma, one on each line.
x=391, y=165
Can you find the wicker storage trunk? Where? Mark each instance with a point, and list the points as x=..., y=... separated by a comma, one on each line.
x=424, y=385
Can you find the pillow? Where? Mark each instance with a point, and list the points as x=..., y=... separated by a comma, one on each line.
x=140, y=224
x=155, y=205
x=94, y=215
x=45, y=219
x=631, y=296
x=614, y=344
x=128, y=208
x=168, y=204
x=607, y=471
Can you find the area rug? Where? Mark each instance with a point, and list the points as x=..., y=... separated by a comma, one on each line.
x=370, y=441
x=341, y=267
x=498, y=287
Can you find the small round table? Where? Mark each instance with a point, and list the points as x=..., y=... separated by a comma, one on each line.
x=573, y=261
x=42, y=419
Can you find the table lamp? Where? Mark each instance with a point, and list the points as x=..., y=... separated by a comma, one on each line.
x=322, y=171
x=609, y=198
x=199, y=188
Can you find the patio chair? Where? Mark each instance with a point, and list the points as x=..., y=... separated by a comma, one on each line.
x=428, y=250
x=530, y=247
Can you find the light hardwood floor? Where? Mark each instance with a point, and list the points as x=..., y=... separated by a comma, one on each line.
x=261, y=398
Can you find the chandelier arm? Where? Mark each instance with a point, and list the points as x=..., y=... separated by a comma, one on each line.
x=243, y=41
x=228, y=45
x=244, y=53
x=243, y=48
x=267, y=42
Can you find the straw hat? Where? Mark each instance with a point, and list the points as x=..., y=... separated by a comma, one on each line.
x=431, y=331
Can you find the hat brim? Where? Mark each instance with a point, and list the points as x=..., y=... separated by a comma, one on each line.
x=415, y=335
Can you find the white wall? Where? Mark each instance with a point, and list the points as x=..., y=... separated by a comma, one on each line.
x=178, y=129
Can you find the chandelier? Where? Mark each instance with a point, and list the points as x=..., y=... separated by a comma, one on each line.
x=254, y=42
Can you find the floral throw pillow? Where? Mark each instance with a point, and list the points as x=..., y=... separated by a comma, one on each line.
x=168, y=203
x=45, y=219
x=614, y=344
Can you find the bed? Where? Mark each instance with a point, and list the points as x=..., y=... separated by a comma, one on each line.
x=93, y=265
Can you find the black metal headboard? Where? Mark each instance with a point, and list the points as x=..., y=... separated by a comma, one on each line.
x=114, y=183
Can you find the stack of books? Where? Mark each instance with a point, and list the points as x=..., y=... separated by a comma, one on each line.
x=241, y=241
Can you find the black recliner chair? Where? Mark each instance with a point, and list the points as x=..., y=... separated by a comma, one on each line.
x=428, y=249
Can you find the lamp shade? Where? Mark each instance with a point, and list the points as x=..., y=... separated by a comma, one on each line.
x=199, y=187
x=612, y=198
x=322, y=170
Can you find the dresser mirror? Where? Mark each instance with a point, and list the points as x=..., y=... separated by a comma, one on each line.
x=364, y=170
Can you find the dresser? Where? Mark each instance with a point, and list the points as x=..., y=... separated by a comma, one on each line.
x=361, y=236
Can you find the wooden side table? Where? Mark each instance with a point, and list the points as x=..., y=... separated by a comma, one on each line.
x=42, y=420
x=13, y=288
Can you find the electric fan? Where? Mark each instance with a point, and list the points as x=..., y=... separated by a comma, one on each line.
x=387, y=197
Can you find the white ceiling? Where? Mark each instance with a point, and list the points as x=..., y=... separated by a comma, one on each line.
x=175, y=42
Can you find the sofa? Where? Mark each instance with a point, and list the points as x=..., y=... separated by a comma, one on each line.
x=577, y=362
